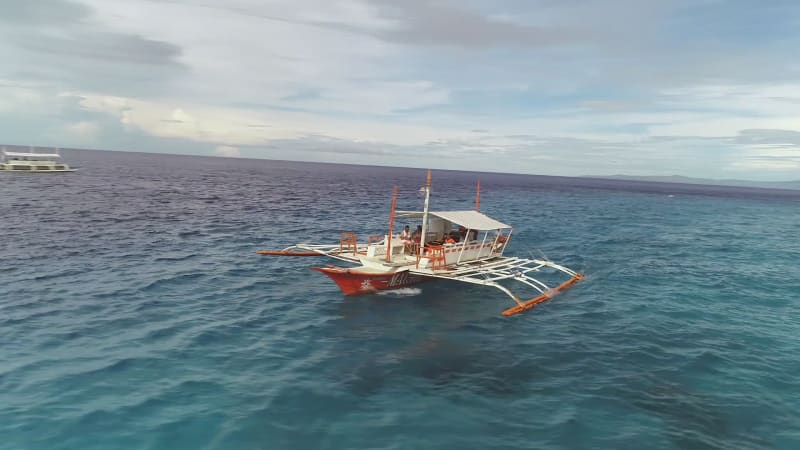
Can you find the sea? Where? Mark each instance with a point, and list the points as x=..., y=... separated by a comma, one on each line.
x=136, y=314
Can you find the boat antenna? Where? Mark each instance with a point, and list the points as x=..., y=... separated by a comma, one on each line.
x=391, y=225
x=427, y=190
x=478, y=197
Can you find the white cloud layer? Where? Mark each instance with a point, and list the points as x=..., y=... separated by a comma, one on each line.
x=84, y=130
x=571, y=88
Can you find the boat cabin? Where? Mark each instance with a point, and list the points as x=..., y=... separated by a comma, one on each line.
x=450, y=238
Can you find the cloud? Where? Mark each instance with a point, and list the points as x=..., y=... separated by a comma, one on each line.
x=84, y=130
x=234, y=126
x=59, y=43
x=442, y=23
x=769, y=137
x=42, y=12
x=102, y=46
x=769, y=150
x=569, y=87
x=300, y=135
x=15, y=97
x=227, y=151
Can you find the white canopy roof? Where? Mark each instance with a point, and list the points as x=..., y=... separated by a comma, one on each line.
x=32, y=155
x=472, y=220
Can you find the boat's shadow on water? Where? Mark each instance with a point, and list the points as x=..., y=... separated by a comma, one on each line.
x=437, y=365
x=691, y=419
x=430, y=337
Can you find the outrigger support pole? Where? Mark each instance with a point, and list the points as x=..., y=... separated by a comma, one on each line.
x=304, y=250
x=288, y=252
x=513, y=269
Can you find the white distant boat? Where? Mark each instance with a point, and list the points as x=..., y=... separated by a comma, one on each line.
x=32, y=162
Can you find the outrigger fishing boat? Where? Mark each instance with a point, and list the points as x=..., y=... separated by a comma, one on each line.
x=465, y=246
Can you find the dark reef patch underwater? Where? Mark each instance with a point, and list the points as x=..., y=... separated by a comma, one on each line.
x=135, y=314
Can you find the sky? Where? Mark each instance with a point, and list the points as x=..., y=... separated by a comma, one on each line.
x=700, y=88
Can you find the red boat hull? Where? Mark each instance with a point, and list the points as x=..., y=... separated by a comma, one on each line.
x=357, y=282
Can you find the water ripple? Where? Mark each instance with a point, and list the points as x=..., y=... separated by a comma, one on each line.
x=141, y=318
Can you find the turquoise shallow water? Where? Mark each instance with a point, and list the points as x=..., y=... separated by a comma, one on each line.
x=135, y=314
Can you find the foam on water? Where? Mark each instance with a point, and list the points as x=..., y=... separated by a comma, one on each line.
x=402, y=292
x=135, y=314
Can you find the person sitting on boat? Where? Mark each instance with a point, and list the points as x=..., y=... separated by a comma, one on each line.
x=416, y=236
x=405, y=235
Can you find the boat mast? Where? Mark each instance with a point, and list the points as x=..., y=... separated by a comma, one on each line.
x=391, y=226
x=478, y=197
x=427, y=189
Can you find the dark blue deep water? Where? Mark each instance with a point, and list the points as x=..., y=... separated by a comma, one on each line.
x=135, y=314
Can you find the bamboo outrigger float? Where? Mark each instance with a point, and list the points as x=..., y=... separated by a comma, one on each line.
x=473, y=254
